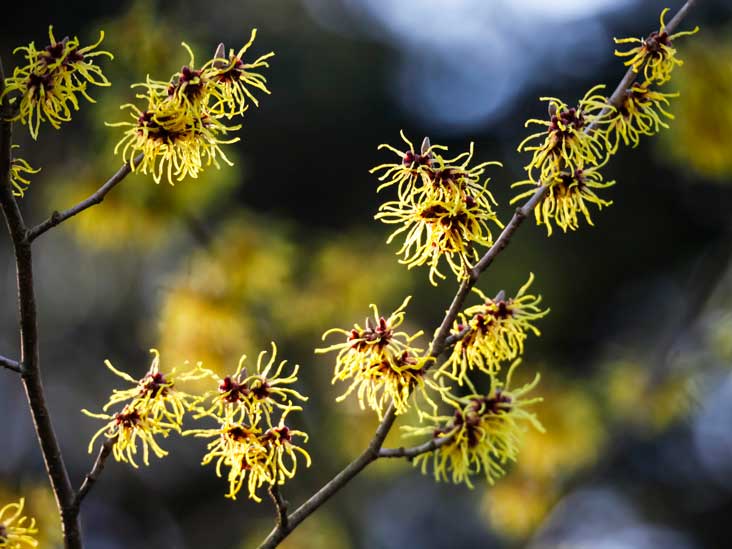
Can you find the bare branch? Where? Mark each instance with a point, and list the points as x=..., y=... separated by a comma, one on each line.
x=92, y=476
x=280, y=505
x=59, y=217
x=10, y=364
x=29, y=354
x=414, y=451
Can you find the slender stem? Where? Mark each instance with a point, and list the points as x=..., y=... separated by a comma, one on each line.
x=280, y=505
x=442, y=338
x=29, y=354
x=10, y=364
x=93, y=475
x=414, y=451
x=59, y=217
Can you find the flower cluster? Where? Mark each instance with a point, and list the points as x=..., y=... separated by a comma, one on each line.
x=577, y=143
x=566, y=143
x=380, y=362
x=443, y=209
x=642, y=112
x=656, y=54
x=246, y=439
x=48, y=86
x=16, y=531
x=181, y=127
x=567, y=197
x=492, y=332
x=153, y=407
x=19, y=170
x=482, y=434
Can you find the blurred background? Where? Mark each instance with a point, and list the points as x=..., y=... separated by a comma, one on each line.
x=635, y=355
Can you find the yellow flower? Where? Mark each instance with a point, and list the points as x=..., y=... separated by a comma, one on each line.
x=16, y=531
x=18, y=178
x=181, y=132
x=408, y=174
x=566, y=144
x=155, y=394
x=231, y=78
x=247, y=397
x=497, y=329
x=129, y=427
x=258, y=458
x=379, y=361
x=568, y=196
x=641, y=113
x=174, y=141
x=484, y=430
x=436, y=228
x=46, y=88
x=282, y=452
x=655, y=54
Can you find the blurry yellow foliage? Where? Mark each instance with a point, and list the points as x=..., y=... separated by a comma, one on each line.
x=701, y=134
x=574, y=433
x=635, y=398
x=41, y=505
x=517, y=505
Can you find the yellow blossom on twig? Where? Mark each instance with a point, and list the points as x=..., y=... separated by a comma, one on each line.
x=247, y=396
x=130, y=427
x=484, y=432
x=566, y=144
x=380, y=362
x=568, y=196
x=46, y=88
x=656, y=54
x=492, y=332
x=19, y=169
x=642, y=112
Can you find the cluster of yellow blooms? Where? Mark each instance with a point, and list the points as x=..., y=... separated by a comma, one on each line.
x=483, y=433
x=495, y=332
x=16, y=530
x=247, y=439
x=152, y=408
x=578, y=141
x=380, y=362
x=180, y=128
x=19, y=169
x=48, y=86
x=443, y=207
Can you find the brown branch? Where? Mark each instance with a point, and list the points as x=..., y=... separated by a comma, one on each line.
x=29, y=354
x=10, y=364
x=92, y=476
x=414, y=451
x=280, y=505
x=59, y=217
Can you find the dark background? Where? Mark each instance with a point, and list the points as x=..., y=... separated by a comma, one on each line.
x=634, y=355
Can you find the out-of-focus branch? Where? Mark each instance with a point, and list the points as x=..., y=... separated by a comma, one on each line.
x=29, y=354
x=59, y=217
x=10, y=364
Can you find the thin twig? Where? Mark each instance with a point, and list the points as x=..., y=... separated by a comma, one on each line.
x=59, y=217
x=414, y=451
x=280, y=505
x=29, y=354
x=92, y=476
x=10, y=364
